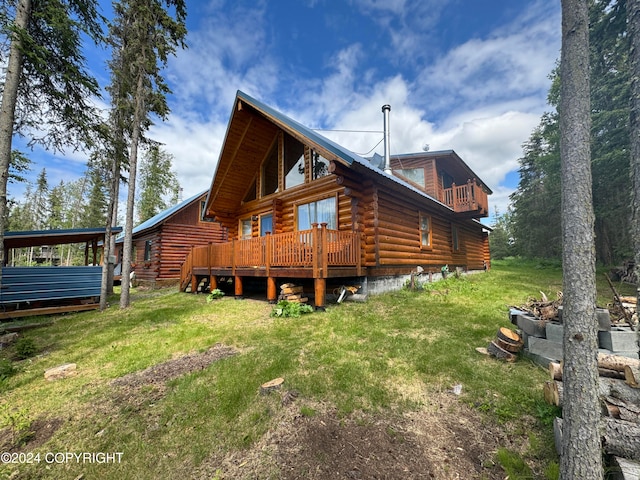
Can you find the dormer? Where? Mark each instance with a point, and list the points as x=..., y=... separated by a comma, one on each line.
x=444, y=176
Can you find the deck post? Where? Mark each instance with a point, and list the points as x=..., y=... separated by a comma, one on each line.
x=316, y=250
x=238, y=286
x=272, y=294
x=324, y=250
x=320, y=288
x=454, y=197
x=213, y=282
x=194, y=278
x=267, y=253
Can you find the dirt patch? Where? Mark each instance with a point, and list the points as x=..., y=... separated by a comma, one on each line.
x=29, y=437
x=444, y=440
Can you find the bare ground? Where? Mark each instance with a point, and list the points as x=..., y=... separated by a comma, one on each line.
x=446, y=439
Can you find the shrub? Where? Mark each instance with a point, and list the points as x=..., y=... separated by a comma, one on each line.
x=25, y=348
x=6, y=369
x=215, y=295
x=285, y=308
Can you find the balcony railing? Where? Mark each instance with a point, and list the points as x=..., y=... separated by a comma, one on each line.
x=469, y=197
x=318, y=248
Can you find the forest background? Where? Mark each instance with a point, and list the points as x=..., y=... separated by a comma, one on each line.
x=531, y=225
x=529, y=228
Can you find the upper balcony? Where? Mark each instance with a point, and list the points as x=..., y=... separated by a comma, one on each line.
x=468, y=199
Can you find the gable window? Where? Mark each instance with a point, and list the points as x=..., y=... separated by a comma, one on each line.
x=425, y=231
x=251, y=193
x=270, y=172
x=266, y=224
x=147, y=251
x=322, y=211
x=415, y=175
x=245, y=228
x=455, y=240
x=294, y=164
x=319, y=166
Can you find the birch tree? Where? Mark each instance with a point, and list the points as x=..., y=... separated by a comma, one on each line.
x=581, y=456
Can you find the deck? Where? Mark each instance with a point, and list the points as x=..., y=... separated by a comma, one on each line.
x=316, y=253
x=468, y=199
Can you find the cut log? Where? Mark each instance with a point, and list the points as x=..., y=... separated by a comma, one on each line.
x=623, y=410
x=497, y=351
x=616, y=362
x=290, y=290
x=557, y=434
x=624, y=469
x=621, y=438
x=632, y=376
x=611, y=387
x=271, y=385
x=555, y=370
x=553, y=393
x=509, y=340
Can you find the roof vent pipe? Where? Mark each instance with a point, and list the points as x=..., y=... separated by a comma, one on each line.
x=387, y=154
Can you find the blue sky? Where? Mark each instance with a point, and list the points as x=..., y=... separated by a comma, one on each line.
x=466, y=75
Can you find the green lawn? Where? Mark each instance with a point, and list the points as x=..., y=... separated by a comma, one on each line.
x=379, y=356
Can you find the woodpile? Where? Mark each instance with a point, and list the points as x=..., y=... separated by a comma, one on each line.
x=292, y=293
x=506, y=345
x=620, y=406
x=625, y=273
x=543, y=309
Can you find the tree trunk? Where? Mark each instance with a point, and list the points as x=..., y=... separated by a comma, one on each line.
x=581, y=448
x=127, y=247
x=7, y=113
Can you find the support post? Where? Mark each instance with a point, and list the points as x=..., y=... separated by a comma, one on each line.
x=320, y=287
x=238, y=286
x=213, y=282
x=272, y=294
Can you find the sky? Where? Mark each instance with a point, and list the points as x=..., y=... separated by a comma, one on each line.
x=467, y=75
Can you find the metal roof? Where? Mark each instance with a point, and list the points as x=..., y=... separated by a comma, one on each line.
x=162, y=216
x=34, y=238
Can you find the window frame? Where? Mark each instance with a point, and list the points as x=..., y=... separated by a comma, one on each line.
x=321, y=199
x=455, y=238
x=241, y=223
x=421, y=230
x=148, y=246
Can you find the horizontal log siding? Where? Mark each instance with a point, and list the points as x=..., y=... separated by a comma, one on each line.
x=147, y=270
x=398, y=237
x=176, y=241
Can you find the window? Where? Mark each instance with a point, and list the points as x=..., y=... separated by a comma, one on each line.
x=202, y=218
x=322, y=211
x=293, y=162
x=270, y=172
x=245, y=228
x=455, y=241
x=425, y=231
x=147, y=251
x=251, y=193
x=415, y=175
x=319, y=166
x=266, y=224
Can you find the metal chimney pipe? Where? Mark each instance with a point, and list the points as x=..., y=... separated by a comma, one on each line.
x=387, y=153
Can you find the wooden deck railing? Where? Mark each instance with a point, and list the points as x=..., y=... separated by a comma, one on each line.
x=469, y=197
x=318, y=248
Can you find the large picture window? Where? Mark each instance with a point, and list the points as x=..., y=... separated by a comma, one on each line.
x=415, y=175
x=293, y=162
x=319, y=166
x=322, y=211
x=245, y=228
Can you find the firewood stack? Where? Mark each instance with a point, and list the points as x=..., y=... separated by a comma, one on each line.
x=506, y=345
x=292, y=293
x=619, y=394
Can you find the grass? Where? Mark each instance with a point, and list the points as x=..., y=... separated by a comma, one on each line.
x=377, y=356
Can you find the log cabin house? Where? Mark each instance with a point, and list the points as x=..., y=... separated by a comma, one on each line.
x=300, y=208
x=161, y=244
